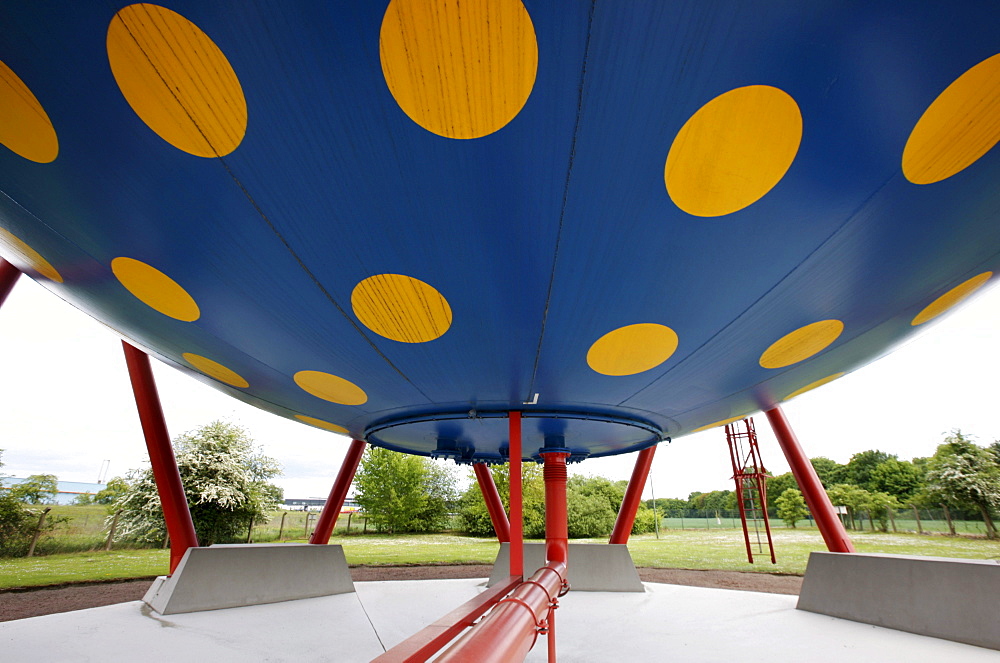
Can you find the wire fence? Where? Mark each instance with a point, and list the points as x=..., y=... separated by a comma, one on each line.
x=896, y=520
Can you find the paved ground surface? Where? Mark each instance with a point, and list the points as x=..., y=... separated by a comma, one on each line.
x=19, y=604
x=666, y=622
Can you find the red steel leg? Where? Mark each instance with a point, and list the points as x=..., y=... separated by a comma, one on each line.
x=8, y=277
x=493, y=504
x=556, y=527
x=335, y=502
x=176, y=513
x=816, y=498
x=633, y=496
x=516, y=507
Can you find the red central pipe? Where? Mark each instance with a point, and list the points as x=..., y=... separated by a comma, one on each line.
x=176, y=513
x=516, y=507
x=494, y=505
x=8, y=277
x=338, y=493
x=816, y=498
x=633, y=496
x=556, y=521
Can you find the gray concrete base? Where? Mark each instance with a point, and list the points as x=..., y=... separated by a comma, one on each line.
x=231, y=576
x=593, y=567
x=954, y=599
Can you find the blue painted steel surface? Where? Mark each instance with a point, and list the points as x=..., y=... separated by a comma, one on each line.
x=542, y=236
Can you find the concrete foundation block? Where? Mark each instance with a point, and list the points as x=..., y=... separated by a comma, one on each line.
x=230, y=576
x=953, y=599
x=593, y=567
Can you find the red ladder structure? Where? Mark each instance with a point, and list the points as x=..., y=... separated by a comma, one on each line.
x=751, y=488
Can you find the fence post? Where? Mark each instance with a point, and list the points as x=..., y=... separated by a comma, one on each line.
x=281, y=530
x=892, y=518
x=250, y=532
x=111, y=532
x=349, y=514
x=38, y=532
x=916, y=514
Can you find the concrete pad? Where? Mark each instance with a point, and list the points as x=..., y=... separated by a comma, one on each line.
x=231, y=576
x=955, y=599
x=593, y=567
x=666, y=622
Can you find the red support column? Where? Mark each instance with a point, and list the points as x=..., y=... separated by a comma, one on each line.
x=633, y=496
x=491, y=495
x=8, y=277
x=176, y=513
x=335, y=502
x=816, y=498
x=556, y=525
x=516, y=507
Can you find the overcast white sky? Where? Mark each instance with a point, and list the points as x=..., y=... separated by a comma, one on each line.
x=66, y=405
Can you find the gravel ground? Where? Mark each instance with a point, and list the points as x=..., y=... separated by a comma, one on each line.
x=19, y=604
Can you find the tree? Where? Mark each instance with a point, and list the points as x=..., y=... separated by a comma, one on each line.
x=778, y=485
x=861, y=465
x=16, y=523
x=848, y=495
x=791, y=507
x=37, y=489
x=472, y=508
x=830, y=472
x=880, y=503
x=225, y=480
x=899, y=478
x=402, y=492
x=114, y=489
x=963, y=474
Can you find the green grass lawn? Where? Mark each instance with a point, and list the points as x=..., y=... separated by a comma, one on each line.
x=690, y=549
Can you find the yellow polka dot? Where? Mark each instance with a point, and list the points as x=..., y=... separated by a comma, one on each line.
x=177, y=80
x=957, y=128
x=801, y=344
x=731, y=152
x=319, y=423
x=155, y=289
x=632, y=349
x=813, y=385
x=951, y=298
x=724, y=422
x=459, y=68
x=30, y=256
x=401, y=308
x=26, y=129
x=216, y=370
x=330, y=388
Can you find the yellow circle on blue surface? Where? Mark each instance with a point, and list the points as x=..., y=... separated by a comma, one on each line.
x=30, y=256
x=813, y=385
x=319, y=423
x=459, y=68
x=733, y=150
x=951, y=298
x=401, y=308
x=177, y=80
x=155, y=289
x=330, y=388
x=216, y=370
x=632, y=349
x=26, y=129
x=957, y=128
x=801, y=344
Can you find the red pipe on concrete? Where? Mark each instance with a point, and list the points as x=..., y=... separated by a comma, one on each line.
x=8, y=277
x=338, y=493
x=633, y=496
x=556, y=525
x=816, y=498
x=491, y=495
x=516, y=506
x=510, y=630
x=176, y=513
